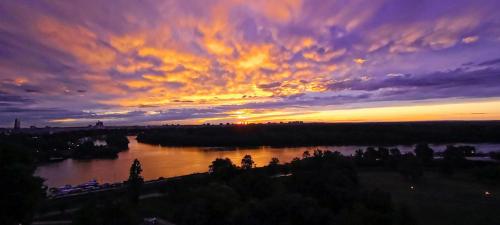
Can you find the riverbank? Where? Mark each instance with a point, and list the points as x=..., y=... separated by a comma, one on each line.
x=379, y=185
x=160, y=161
x=318, y=134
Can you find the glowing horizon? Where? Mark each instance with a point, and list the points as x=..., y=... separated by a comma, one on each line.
x=190, y=62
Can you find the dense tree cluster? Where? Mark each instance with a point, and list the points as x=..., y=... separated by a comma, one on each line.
x=323, y=134
x=116, y=140
x=76, y=144
x=88, y=150
x=21, y=191
x=454, y=157
x=320, y=188
x=408, y=164
x=424, y=153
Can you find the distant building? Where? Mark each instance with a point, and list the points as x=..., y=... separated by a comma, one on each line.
x=17, y=124
x=99, y=124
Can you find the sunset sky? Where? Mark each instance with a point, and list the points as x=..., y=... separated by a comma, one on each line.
x=71, y=63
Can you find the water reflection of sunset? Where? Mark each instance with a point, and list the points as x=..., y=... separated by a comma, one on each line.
x=158, y=161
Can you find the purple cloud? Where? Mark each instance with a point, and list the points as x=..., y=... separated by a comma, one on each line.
x=150, y=62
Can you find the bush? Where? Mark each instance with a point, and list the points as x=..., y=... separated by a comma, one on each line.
x=411, y=167
x=273, y=167
x=453, y=157
x=222, y=168
x=424, y=153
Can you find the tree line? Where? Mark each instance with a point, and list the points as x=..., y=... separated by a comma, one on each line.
x=76, y=144
x=317, y=134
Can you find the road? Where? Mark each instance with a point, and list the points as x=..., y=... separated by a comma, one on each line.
x=67, y=222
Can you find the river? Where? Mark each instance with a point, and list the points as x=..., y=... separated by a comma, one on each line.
x=159, y=161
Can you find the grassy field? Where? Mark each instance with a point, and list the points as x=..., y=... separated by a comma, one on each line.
x=459, y=200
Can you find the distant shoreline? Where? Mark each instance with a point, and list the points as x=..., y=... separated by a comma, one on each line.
x=318, y=134
x=41, y=129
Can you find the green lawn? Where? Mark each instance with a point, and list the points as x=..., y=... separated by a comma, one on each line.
x=439, y=200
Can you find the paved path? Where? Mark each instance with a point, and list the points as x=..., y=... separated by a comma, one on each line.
x=66, y=222
x=57, y=212
x=58, y=222
x=151, y=195
x=163, y=222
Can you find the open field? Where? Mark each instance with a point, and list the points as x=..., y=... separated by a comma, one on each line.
x=438, y=200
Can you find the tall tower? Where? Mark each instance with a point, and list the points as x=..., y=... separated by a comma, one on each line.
x=17, y=124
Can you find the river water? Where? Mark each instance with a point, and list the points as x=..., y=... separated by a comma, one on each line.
x=158, y=161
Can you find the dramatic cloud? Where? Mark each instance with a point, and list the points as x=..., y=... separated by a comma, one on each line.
x=192, y=61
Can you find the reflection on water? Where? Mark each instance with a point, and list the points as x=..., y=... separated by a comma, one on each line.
x=160, y=161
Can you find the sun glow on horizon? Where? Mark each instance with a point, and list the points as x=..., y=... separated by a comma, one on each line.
x=173, y=61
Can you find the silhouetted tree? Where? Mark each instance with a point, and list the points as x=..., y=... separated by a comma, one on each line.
x=453, y=157
x=468, y=150
x=247, y=162
x=358, y=155
x=424, y=153
x=21, y=191
x=394, y=157
x=135, y=181
x=222, y=168
x=306, y=154
x=274, y=162
x=118, y=141
x=383, y=153
x=273, y=166
x=371, y=154
x=318, y=153
x=394, y=152
x=410, y=167
x=331, y=178
x=454, y=154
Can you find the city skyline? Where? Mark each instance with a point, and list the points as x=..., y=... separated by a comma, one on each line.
x=189, y=62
